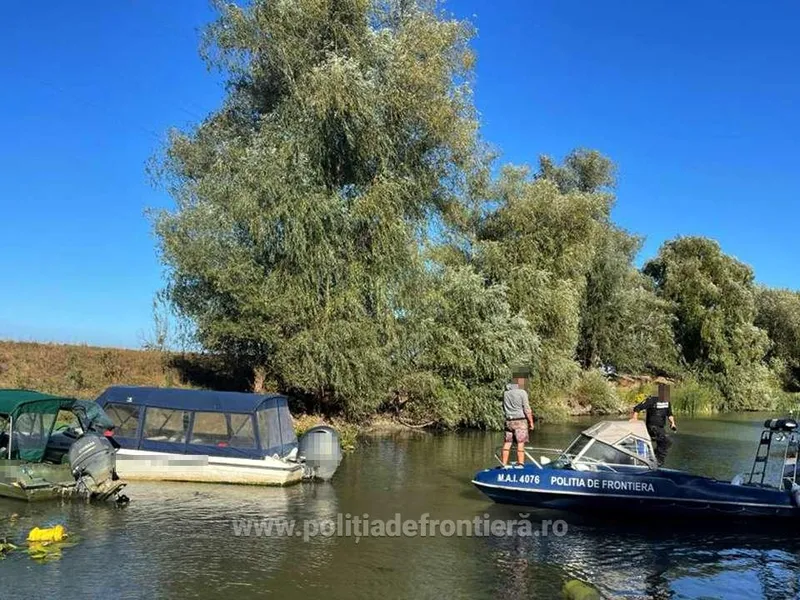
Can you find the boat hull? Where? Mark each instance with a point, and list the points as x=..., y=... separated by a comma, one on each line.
x=32, y=482
x=661, y=491
x=146, y=465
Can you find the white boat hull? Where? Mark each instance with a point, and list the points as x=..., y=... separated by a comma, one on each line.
x=146, y=465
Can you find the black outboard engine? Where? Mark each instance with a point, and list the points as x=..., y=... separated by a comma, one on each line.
x=93, y=462
x=320, y=451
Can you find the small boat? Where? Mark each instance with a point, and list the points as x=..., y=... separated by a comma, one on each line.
x=38, y=463
x=611, y=467
x=216, y=437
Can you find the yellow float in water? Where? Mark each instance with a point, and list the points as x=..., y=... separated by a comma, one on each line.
x=47, y=534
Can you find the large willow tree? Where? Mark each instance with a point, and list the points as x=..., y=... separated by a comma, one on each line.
x=347, y=132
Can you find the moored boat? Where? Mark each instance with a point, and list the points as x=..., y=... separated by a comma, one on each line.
x=37, y=463
x=611, y=467
x=215, y=437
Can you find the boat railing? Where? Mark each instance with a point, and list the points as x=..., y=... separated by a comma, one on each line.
x=528, y=455
x=764, y=472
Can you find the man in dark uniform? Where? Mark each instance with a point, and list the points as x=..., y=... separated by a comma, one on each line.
x=659, y=410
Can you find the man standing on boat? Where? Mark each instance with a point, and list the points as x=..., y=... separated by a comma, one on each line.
x=659, y=410
x=518, y=417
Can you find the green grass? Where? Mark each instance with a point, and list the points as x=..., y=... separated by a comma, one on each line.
x=693, y=397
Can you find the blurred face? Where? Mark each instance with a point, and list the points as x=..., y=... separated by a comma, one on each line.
x=520, y=381
x=663, y=392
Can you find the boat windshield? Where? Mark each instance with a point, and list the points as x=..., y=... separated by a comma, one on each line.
x=587, y=450
x=91, y=416
x=577, y=446
x=602, y=453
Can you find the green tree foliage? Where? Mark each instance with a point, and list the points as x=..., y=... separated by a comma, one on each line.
x=570, y=272
x=539, y=240
x=623, y=322
x=583, y=170
x=778, y=313
x=459, y=343
x=304, y=201
x=713, y=296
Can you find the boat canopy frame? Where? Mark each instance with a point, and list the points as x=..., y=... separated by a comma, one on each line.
x=276, y=428
x=29, y=407
x=614, y=436
x=620, y=438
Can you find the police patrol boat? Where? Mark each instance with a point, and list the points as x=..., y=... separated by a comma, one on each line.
x=611, y=467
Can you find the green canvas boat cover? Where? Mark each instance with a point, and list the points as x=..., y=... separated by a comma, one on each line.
x=32, y=415
x=15, y=402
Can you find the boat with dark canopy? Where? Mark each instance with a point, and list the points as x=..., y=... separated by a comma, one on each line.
x=40, y=461
x=611, y=467
x=208, y=436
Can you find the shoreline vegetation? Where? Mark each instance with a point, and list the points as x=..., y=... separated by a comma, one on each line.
x=341, y=233
x=83, y=371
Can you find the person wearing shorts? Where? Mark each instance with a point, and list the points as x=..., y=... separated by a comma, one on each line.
x=518, y=417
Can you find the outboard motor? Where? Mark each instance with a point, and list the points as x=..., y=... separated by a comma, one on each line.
x=93, y=462
x=320, y=451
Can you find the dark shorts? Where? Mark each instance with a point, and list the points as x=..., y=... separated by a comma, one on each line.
x=517, y=431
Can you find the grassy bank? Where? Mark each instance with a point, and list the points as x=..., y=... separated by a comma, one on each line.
x=79, y=370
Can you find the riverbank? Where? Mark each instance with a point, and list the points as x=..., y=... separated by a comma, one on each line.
x=84, y=371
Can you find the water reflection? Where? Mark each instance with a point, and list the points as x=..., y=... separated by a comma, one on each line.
x=649, y=560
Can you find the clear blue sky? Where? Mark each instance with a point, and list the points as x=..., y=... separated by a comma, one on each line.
x=698, y=105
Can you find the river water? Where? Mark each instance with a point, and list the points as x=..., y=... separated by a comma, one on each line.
x=177, y=541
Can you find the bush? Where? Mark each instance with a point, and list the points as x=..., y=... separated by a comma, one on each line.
x=554, y=409
x=75, y=376
x=111, y=366
x=593, y=390
x=788, y=403
x=348, y=432
x=693, y=397
x=635, y=395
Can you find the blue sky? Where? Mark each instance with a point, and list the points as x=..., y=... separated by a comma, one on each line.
x=697, y=104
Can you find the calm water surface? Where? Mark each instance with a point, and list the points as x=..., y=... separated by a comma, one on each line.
x=177, y=540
